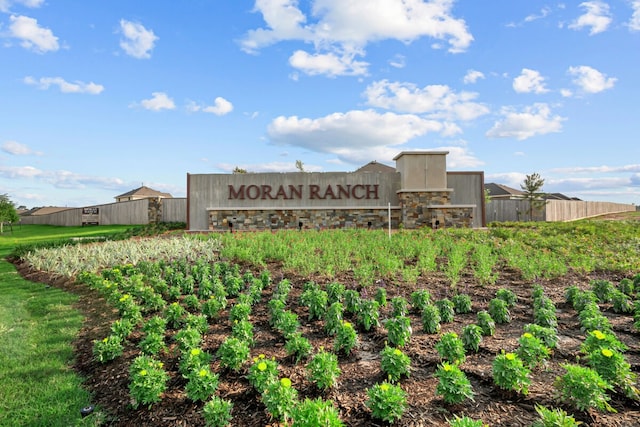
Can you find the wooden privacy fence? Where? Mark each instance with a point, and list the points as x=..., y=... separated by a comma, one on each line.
x=551, y=210
x=134, y=212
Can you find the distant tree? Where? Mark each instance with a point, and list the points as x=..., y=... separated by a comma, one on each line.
x=238, y=169
x=300, y=166
x=8, y=211
x=532, y=187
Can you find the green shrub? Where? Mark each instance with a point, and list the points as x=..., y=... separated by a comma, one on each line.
x=217, y=412
x=461, y=303
x=298, y=347
x=472, y=337
x=446, y=310
x=398, y=330
x=431, y=319
x=233, y=353
x=386, y=401
x=316, y=413
x=323, y=369
x=451, y=348
x=262, y=372
x=583, y=388
x=148, y=380
x=509, y=373
x=498, y=309
x=453, y=384
x=280, y=398
x=394, y=363
x=554, y=418
x=486, y=323
x=419, y=300
x=368, y=314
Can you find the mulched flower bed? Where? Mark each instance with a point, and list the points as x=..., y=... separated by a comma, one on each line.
x=361, y=369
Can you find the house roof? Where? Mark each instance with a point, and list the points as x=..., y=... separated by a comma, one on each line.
x=374, y=166
x=499, y=190
x=43, y=210
x=558, y=196
x=144, y=191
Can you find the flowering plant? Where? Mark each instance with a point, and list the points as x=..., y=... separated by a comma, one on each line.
x=509, y=373
x=453, y=385
x=202, y=383
x=262, y=372
x=108, y=348
x=394, y=363
x=386, y=401
x=148, y=380
x=532, y=350
x=280, y=398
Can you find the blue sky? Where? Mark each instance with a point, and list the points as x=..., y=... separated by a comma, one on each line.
x=100, y=97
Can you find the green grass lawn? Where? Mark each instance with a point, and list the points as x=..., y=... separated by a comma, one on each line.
x=37, y=326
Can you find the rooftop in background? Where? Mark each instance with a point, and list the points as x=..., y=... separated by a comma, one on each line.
x=374, y=166
x=499, y=191
x=41, y=210
x=143, y=192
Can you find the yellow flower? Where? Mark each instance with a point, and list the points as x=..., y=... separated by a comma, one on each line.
x=286, y=382
x=202, y=373
x=447, y=367
x=105, y=339
x=143, y=372
x=195, y=352
x=527, y=335
x=606, y=352
x=124, y=297
x=384, y=386
x=510, y=356
x=599, y=335
x=262, y=366
x=261, y=356
x=347, y=324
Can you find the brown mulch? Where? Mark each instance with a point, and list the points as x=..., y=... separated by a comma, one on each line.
x=108, y=382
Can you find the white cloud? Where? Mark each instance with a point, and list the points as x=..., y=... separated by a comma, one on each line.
x=529, y=81
x=439, y=101
x=398, y=61
x=31, y=35
x=344, y=28
x=596, y=17
x=329, y=64
x=354, y=137
x=13, y=172
x=61, y=178
x=634, y=22
x=64, y=86
x=159, y=101
x=533, y=120
x=590, y=80
x=472, y=76
x=17, y=149
x=460, y=158
x=600, y=169
x=220, y=107
x=138, y=41
x=5, y=5
x=544, y=12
